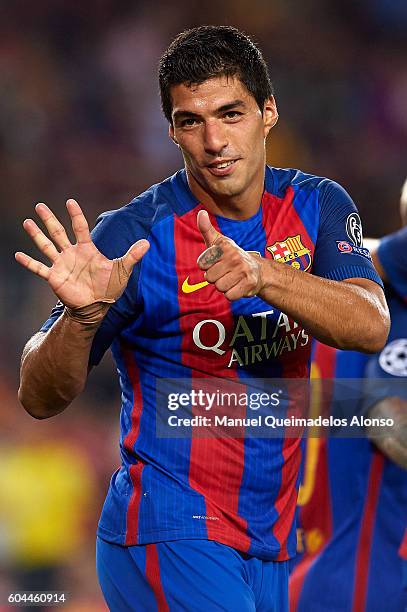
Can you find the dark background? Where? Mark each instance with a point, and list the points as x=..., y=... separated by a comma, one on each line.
x=80, y=117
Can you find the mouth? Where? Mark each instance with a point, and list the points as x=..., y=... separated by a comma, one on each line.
x=222, y=168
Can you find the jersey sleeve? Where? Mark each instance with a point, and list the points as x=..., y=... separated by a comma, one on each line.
x=386, y=372
x=339, y=251
x=392, y=254
x=380, y=383
x=113, y=234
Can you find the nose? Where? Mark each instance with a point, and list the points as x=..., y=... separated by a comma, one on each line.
x=215, y=137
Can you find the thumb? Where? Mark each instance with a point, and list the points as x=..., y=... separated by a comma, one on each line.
x=206, y=228
x=134, y=254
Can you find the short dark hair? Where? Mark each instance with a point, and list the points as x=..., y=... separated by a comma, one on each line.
x=210, y=51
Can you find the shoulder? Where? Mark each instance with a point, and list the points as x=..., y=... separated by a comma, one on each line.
x=117, y=229
x=392, y=256
x=327, y=190
x=394, y=243
x=144, y=210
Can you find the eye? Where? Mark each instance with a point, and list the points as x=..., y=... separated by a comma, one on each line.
x=190, y=122
x=232, y=115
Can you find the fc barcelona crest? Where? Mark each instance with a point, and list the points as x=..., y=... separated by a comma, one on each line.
x=291, y=251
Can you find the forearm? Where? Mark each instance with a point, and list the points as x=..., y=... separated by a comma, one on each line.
x=54, y=364
x=340, y=314
x=392, y=440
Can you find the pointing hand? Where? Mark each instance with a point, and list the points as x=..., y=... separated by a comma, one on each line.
x=233, y=271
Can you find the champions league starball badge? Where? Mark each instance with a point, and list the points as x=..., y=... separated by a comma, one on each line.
x=354, y=229
x=393, y=358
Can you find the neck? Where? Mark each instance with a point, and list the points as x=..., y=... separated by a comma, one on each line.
x=240, y=206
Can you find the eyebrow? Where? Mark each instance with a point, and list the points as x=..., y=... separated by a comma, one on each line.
x=222, y=109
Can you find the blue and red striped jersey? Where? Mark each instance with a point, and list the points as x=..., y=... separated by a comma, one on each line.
x=353, y=500
x=392, y=254
x=170, y=323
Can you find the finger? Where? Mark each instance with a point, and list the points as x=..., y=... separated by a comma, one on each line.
x=235, y=293
x=55, y=229
x=33, y=265
x=239, y=291
x=79, y=224
x=42, y=242
x=209, y=233
x=228, y=281
x=210, y=256
x=216, y=271
x=135, y=253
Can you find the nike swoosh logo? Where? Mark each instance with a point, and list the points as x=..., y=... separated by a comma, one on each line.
x=187, y=288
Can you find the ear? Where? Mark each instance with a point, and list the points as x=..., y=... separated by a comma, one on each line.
x=270, y=115
x=171, y=134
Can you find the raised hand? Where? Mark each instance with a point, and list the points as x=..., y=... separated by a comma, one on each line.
x=79, y=274
x=234, y=272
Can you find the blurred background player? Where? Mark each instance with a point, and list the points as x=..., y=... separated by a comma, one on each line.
x=47, y=519
x=353, y=498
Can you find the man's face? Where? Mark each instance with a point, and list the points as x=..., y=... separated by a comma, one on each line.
x=221, y=132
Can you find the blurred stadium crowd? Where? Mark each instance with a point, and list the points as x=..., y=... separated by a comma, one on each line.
x=80, y=117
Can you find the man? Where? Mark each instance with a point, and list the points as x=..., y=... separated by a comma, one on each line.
x=195, y=523
x=353, y=496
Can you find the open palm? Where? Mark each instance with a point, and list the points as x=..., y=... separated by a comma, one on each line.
x=79, y=274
